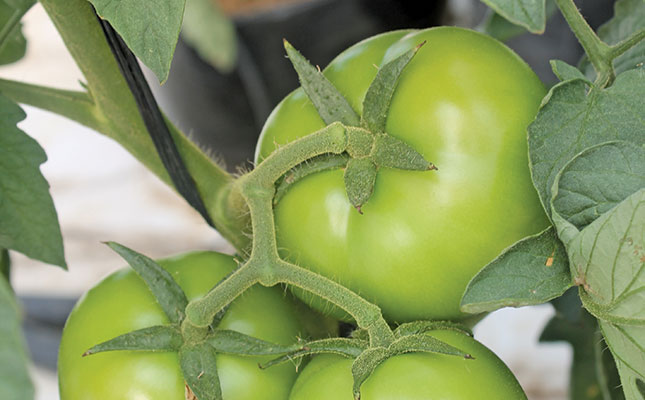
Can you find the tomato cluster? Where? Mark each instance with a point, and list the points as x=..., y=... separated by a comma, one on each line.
x=463, y=102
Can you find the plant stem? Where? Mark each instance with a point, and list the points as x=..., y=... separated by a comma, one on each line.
x=264, y=265
x=599, y=52
x=620, y=48
x=367, y=315
x=121, y=121
x=75, y=105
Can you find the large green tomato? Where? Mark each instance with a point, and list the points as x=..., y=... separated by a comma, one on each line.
x=414, y=376
x=122, y=303
x=463, y=102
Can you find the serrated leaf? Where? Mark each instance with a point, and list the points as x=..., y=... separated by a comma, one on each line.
x=200, y=370
x=572, y=120
x=501, y=29
x=597, y=179
x=342, y=346
x=153, y=338
x=28, y=220
x=150, y=28
x=166, y=291
x=14, y=45
x=593, y=372
x=15, y=383
x=359, y=176
x=532, y=271
x=331, y=105
x=530, y=14
x=566, y=72
x=210, y=33
x=629, y=18
x=233, y=342
x=376, y=103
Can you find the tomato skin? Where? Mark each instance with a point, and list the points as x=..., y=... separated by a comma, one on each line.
x=414, y=376
x=463, y=102
x=121, y=303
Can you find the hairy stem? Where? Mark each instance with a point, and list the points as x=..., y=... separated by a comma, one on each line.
x=620, y=48
x=599, y=52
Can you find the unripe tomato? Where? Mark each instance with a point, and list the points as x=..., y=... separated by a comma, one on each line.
x=414, y=376
x=122, y=303
x=463, y=102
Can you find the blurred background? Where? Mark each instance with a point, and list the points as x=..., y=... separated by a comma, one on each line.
x=102, y=193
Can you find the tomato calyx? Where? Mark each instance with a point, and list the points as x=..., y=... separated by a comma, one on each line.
x=409, y=337
x=197, y=346
x=369, y=146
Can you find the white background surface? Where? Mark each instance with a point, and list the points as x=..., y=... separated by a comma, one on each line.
x=102, y=193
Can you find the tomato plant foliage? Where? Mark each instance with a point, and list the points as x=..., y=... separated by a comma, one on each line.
x=561, y=207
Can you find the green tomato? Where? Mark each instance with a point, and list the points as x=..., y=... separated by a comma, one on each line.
x=122, y=303
x=414, y=376
x=463, y=102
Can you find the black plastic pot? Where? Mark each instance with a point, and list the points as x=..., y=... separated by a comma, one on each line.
x=225, y=112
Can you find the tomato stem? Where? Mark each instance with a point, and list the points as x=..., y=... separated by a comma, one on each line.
x=264, y=264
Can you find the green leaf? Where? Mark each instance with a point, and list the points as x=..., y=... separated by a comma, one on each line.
x=593, y=371
x=28, y=221
x=528, y=13
x=571, y=120
x=359, y=176
x=501, y=29
x=379, y=94
x=154, y=338
x=166, y=291
x=331, y=105
x=532, y=271
x=15, y=383
x=566, y=72
x=200, y=370
x=150, y=28
x=13, y=44
x=629, y=18
x=233, y=342
x=210, y=33
x=342, y=346
x=607, y=260
x=627, y=344
x=597, y=179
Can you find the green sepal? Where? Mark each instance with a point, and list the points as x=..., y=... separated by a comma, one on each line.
x=198, y=364
x=166, y=291
x=154, y=338
x=379, y=95
x=360, y=176
x=416, y=327
x=372, y=357
x=425, y=343
x=351, y=348
x=233, y=342
x=324, y=162
x=360, y=142
x=331, y=105
x=394, y=153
